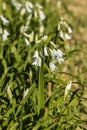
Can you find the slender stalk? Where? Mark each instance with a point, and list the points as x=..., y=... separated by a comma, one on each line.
x=41, y=87
x=21, y=122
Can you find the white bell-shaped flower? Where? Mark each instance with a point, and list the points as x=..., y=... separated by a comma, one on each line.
x=5, y=35
x=52, y=66
x=37, y=59
x=27, y=42
x=45, y=51
x=67, y=89
x=4, y=20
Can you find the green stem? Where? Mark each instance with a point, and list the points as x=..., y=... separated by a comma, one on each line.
x=21, y=116
x=41, y=87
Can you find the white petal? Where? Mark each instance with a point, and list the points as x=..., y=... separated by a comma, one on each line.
x=69, y=30
x=29, y=7
x=29, y=4
x=42, y=16
x=68, y=87
x=60, y=59
x=59, y=53
x=61, y=35
x=27, y=35
x=37, y=62
x=5, y=35
x=35, y=14
x=4, y=20
x=27, y=42
x=38, y=6
x=45, y=51
x=34, y=62
x=17, y=5
x=23, y=29
x=31, y=36
x=67, y=37
x=41, y=29
x=23, y=11
x=52, y=66
x=35, y=54
x=44, y=38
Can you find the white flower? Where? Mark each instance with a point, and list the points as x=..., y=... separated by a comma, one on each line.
x=4, y=20
x=61, y=22
x=37, y=62
x=53, y=54
x=44, y=38
x=37, y=59
x=30, y=36
x=61, y=34
x=26, y=35
x=67, y=89
x=45, y=51
x=52, y=66
x=57, y=54
x=36, y=14
x=69, y=30
x=17, y=5
x=29, y=6
x=23, y=10
x=67, y=37
x=27, y=42
x=41, y=29
x=38, y=6
x=60, y=59
x=5, y=35
x=35, y=54
x=64, y=36
x=23, y=28
x=41, y=15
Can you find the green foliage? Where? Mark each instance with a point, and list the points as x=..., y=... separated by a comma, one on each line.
x=32, y=79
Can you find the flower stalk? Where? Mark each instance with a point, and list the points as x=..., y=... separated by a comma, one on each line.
x=41, y=86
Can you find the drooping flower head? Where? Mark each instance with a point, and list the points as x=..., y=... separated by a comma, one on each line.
x=64, y=30
x=37, y=59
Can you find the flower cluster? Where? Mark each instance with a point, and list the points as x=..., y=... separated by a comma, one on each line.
x=46, y=49
x=64, y=30
x=52, y=53
x=33, y=12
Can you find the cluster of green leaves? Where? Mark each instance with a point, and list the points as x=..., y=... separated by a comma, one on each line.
x=17, y=75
